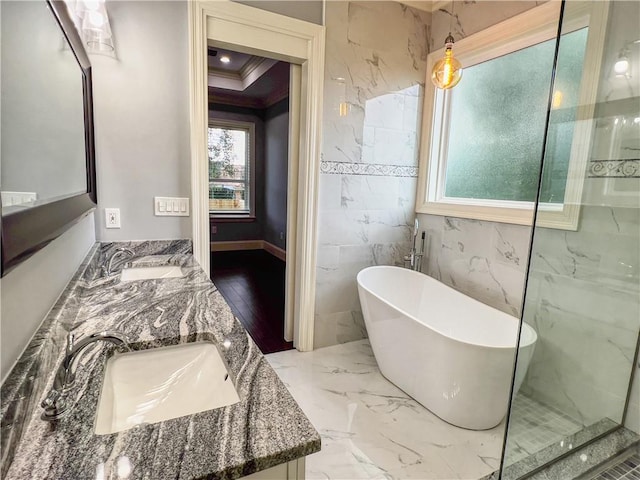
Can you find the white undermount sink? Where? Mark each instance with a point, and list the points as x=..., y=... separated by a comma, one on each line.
x=151, y=386
x=148, y=273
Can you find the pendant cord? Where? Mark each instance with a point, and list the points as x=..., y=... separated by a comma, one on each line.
x=453, y=6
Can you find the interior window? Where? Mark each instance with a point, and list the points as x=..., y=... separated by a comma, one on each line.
x=229, y=170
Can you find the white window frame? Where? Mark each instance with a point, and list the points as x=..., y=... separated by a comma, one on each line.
x=250, y=128
x=534, y=26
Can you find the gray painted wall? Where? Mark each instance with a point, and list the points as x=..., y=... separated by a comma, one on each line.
x=142, y=119
x=233, y=231
x=30, y=290
x=309, y=10
x=142, y=114
x=276, y=148
x=42, y=113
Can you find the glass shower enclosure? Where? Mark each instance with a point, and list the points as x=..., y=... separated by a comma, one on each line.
x=583, y=286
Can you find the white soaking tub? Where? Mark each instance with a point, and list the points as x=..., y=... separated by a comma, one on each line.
x=450, y=352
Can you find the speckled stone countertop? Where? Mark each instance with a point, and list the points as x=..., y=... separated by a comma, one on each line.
x=264, y=429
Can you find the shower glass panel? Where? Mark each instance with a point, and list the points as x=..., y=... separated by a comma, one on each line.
x=583, y=286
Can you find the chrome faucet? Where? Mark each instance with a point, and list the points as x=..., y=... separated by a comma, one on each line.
x=107, y=265
x=414, y=259
x=54, y=404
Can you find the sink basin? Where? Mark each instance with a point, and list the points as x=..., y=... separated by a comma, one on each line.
x=148, y=273
x=151, y=386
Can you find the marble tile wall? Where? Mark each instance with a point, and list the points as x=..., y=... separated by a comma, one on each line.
x=583, y=295
x=582, y=299
x=470, y=17
x=484, y=260
x=367, y=190
x=375, y=67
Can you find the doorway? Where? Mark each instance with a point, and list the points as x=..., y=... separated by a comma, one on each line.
x=257, y=32
x=248, y=150
x=252, y=282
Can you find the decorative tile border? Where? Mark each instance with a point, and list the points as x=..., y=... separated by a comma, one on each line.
x=629, y=168
x=354, y=168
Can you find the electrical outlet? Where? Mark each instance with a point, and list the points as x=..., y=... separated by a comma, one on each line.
x=281, y=235
x=112, y=217
x=214, y=229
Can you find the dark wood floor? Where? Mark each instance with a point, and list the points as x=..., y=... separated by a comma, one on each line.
x=252, y=282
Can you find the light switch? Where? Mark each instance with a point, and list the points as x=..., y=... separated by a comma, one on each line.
x=171, y=206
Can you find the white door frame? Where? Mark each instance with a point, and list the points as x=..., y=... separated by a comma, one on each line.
x=255, y=31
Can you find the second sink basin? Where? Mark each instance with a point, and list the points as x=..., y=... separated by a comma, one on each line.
x=151, y=386
x=147, y=273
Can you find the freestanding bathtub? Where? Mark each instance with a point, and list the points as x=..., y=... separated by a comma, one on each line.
x=450, y=352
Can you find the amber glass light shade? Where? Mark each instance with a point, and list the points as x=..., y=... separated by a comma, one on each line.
x=447, y=71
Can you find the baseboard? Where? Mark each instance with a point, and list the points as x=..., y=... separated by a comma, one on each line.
x=275, y=251
x=249, y=245
x=237, y=245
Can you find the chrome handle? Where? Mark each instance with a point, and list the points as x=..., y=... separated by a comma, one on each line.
x=54, y=406
x=70, y=342
x=50, y=399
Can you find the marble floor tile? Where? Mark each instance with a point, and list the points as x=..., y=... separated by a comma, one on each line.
x=371, y=429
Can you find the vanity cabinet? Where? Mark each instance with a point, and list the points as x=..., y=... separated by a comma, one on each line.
x=293, y=470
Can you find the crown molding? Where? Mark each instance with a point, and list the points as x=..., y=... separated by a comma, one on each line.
x=255, y=68
x=426, y=5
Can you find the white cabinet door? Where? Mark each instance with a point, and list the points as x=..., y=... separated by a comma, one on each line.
x=293, y=470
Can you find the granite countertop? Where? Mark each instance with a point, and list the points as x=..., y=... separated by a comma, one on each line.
x=266, y=428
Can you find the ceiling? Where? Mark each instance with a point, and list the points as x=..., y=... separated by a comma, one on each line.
x=238, y=60
x=270, y=86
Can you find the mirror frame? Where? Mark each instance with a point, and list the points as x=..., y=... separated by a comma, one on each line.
x=24, y=232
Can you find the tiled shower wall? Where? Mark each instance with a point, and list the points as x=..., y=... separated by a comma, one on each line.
x=583, y=285
x=375, y=68
x=582, y=299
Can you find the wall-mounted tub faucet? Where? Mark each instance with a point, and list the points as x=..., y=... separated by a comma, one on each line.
x=54, y=404
x=414, y=259
x=107, y=265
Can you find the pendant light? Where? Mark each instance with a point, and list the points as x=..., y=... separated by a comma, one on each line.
x=447, y=71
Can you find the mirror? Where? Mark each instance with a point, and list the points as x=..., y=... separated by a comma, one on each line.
x=42, y=118
x=47, y=177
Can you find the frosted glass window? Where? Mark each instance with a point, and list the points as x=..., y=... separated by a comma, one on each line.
x=563, y=115
x=498, y=119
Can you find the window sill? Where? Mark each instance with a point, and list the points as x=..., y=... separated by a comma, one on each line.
x=231, y=218
x=561, y=217
x=517, y=216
